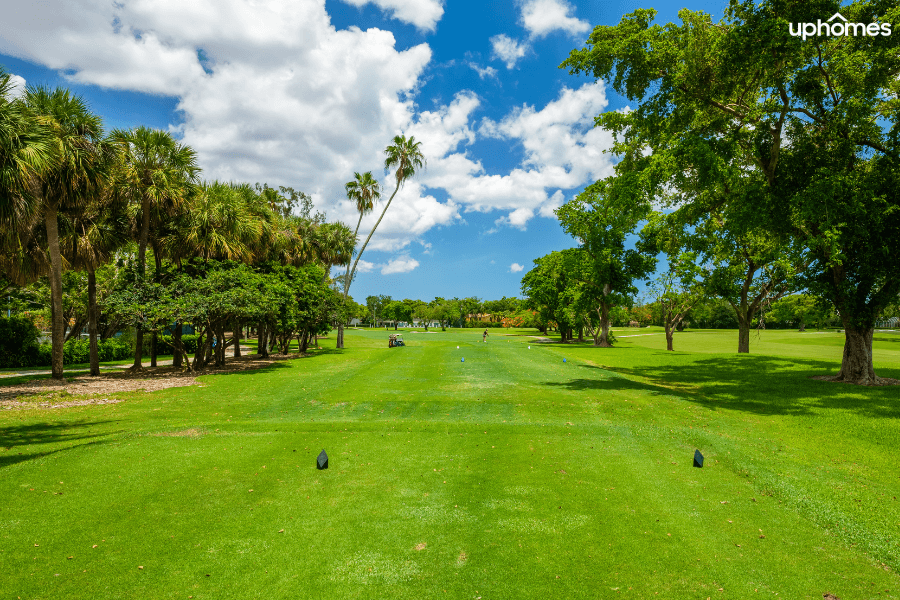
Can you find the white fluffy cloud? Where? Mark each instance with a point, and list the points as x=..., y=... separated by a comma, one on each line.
x=400, y=265
x=507, y=49
x=270, y=91
x=541, y=17
x=424, y=14
x=563, y=151
x=364, y=266
x=483, y=72
x=516, y=268
x=17, y=86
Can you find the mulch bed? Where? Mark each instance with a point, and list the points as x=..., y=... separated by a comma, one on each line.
x=54, y=393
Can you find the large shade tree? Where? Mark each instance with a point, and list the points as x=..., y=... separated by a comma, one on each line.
x=601, y=223
x=801, y=133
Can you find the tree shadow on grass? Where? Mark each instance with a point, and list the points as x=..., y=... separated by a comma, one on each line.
x=29, y=439
x=764, y=385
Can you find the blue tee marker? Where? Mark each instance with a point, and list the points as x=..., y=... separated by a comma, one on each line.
x=463, y=359
x=564, y=360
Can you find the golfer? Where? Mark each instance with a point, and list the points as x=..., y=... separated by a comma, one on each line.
x=484, y=336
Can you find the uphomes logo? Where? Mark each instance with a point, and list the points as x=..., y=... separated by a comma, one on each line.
x=838, y=29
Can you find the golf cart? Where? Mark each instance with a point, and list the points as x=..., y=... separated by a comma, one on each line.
x=395, y=339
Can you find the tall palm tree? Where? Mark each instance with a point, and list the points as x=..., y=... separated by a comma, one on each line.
x=364, y=191
x=97, y=231
x=158, y=175
x=80, y=170
x=406, y=156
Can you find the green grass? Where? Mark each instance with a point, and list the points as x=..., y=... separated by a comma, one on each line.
x=522, y=475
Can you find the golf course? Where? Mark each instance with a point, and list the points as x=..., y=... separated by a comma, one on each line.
x=531, y=469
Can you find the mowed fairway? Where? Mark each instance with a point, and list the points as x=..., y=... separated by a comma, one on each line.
x=510, y=475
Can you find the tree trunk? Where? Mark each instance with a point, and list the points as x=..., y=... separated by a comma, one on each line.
x=238, y=330
x=142, y=269
x=75, y=330
x=305, y=343
x=743, y=333
x=93, y=313
x=581, y=333
x=153, y=349
x=603, y=342
x=176, y=343
x=58, y=331
x=261, y=345
x=856, y=365
x=669, y=332
x=340, y=335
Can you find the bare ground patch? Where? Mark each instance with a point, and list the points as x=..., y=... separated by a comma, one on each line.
x=193, y=432
x=879, y=381
x=82, y=390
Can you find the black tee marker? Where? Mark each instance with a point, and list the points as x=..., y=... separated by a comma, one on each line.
x=322, y=461
x=698, y=459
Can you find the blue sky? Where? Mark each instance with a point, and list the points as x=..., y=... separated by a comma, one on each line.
x=304, y=93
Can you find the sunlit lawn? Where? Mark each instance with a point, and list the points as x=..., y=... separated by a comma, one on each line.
x=510, y=475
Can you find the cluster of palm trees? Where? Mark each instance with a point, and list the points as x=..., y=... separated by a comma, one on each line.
x=73, y=197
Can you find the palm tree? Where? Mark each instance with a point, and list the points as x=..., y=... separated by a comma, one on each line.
x=81, y=169
x=216, y=226
x=97, y=232
x=406, y=156
x=26, y=151
x=365, y=191
x=158, y=175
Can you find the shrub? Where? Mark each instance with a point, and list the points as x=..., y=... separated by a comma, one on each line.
x=79, y=352
x=164, y=344
x=18, y=342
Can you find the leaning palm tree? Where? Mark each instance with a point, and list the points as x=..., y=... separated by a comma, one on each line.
x=364, y=191
x=158, y=175
x=406, y=156
x=81, y=169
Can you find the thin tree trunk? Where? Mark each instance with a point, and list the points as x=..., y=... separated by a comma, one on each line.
x=93, y=313
x=142, y=269
x=669, y=333
x=176, y=343
x=57, y=327
x=340, y=335
x=238, y=330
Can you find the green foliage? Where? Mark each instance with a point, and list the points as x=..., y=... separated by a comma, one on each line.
x=18, y=342
x=801, y=310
